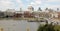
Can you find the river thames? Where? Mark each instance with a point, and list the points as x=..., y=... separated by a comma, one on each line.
x=17, y=25
x=20, y=25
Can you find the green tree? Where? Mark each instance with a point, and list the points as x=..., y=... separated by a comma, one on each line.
x=46, y=27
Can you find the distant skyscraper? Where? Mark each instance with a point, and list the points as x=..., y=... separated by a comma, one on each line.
x=57, y=9
x=39, y=9
x=20, y=9
x=31, y=8
x=46, y=9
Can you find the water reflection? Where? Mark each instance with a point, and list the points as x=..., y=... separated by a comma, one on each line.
x=18, y=25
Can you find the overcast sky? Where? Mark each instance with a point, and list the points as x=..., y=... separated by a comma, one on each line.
x=16, y=4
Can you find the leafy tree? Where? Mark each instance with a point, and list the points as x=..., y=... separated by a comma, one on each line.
x=46, y=27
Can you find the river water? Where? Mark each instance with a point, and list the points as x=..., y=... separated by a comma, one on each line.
x=20, y=25
x=17, y=25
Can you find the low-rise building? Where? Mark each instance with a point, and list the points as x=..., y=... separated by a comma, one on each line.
x=9, y=12
x=2, y=14
x=28, y=14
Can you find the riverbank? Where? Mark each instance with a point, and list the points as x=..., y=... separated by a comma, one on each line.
x=21, y=18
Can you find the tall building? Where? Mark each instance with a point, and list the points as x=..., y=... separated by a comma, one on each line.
x=39, y=9
x=57, y=9
x=30, y=8
x=20, y=9
x=46, y=9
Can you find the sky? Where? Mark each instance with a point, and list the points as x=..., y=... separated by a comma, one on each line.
x=24, y=4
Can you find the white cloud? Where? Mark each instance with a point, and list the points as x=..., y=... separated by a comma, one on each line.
x=53, y=0
x=32, y=3
x=44, y=4
x=18, y=1
x=27, y=0
x=52, y=6
x=20, y=4
x=5, y=4
x=36, y=3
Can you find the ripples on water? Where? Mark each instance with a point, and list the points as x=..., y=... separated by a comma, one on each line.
x=12, y=25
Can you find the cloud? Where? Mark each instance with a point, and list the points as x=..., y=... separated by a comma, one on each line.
x=54, y=6
x=27, y=0
x=20, y=4
x=49, y=3
x=5, y=4
x=53, y=0
x=51, y=6
x=36, y=3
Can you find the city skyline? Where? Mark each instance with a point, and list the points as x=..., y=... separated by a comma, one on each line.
x=17, y=4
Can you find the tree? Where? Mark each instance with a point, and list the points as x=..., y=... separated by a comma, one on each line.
x=46, y=27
